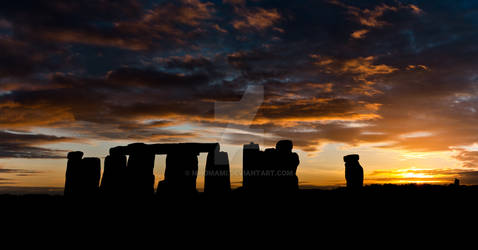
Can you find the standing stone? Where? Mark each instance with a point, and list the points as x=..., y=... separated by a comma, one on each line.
x=251, y=160
x=74, y=162
x=217, y=174
x=456, y=183
x=140, y=170
x=180, y=174
x=287, y=166
x=272, y=170
x=353, y=172
x=112, y=183
x=269, y=177
x=88, y=175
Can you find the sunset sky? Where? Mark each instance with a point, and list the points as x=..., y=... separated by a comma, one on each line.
x=394, y=81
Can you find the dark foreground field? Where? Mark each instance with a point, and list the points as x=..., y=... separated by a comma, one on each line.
x=380, y=198
x=375, y=210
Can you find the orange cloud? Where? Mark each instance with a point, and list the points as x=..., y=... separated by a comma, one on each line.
x=218, y=28
x=94, y=38
x=363, y=65
x=258, y=19
x=359, y=34
x=173, y=137
x=371, y=17
x=415, y=9
x=192, y=12
x=15, y=115
x=361, y=69
x=468, y=158
x=418, y=67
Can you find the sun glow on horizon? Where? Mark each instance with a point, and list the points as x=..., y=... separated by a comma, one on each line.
x=413, y=175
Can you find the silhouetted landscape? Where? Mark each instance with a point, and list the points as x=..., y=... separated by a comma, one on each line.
x=243, y=112
x=269, y=182
x=375, y=204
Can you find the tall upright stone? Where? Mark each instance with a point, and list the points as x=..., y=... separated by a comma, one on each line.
x=287, y=163
x=251, y=160
x=139, y=170
x=456, y=183
x=272, y=170
x=72, y=165
x=353, y=172
x=217, y=178
x=180, y=174
x=269, y=175
x=87, y=183
x=113, y=181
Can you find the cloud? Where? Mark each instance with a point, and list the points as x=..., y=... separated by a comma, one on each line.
x=18, y=172
x=415, y=9
x=256, y=19
x=176, y=22
x=22, y=59
x=133, y=77
x=372, y=17
x=359, y=34
x=218, y=28
x=123, y=24
x=234, y=2
x=361, y=71
x=365, y=67
x=361, y=65
x=469, y=159
x=417, y=67
x=26, y=145
x=154, y=71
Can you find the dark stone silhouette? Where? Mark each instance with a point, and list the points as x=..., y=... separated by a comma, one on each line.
x=269, y=179
x=287, y=164
x=353, y=172
x=457, y=182
x=114, y=175
x=180, y=174
x=271, y=170
x=217, y=174
x=72, y=166
x=182, y=167
x=87, y=178
x=251, y=166
x=140, y=170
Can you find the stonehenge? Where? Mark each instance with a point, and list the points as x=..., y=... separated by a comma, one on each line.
x=128, y=171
